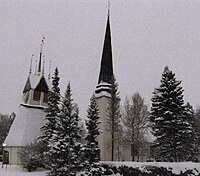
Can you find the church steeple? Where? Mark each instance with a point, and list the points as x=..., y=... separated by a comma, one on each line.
x=106, y=70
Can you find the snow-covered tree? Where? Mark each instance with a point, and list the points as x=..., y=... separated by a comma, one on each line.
x=114, y=115
x=66, y=149
x=5, y=124
x=32, y=157
x=197, y=131
x=192, y=141
x=52, y=110
x=135, y=120
x=169, y=119
x=51, y=126
x=92, y=151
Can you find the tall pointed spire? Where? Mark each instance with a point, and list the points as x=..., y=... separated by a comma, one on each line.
x=106, y=70
x=49, y=76
x=40, y=58
x=30, y=70
x=43, y=64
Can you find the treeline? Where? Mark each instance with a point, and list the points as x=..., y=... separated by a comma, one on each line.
x=66, y=149
x=5, y=124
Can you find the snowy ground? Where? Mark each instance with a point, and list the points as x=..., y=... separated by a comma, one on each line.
x=18, y=171
x=176, y=168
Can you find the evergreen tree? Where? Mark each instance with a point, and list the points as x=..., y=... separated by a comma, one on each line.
x=114, y=115
x=51, y=126
x=52, y=110
x=92, y=151
x=5, y=124
x=169, y=120
x=66, y=150
x=197, y=132
x=190, y=142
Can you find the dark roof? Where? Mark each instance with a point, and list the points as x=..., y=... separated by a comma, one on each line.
x=106, y=70
x=36, y=82
x=42, y=86
x=27, y=86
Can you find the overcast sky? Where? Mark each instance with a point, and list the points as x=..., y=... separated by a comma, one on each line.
x=147, y=35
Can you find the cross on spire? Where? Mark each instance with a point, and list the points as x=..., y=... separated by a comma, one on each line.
x=108, y=6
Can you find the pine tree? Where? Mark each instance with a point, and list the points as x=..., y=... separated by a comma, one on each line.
x=67, y=148
x=169, y=120
x=51, y=127
x=52, y=110
x=190, y=142
x=197, y=132
x=92, y=151
x=114, y=115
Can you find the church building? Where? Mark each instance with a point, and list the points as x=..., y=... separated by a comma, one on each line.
x=102, y=94
x=30, y=116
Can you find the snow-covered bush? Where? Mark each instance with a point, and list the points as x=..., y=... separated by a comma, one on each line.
x=146, y=170
x=32, y=156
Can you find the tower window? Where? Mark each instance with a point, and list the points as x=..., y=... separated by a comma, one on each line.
x=45, y=99
x=36, y=95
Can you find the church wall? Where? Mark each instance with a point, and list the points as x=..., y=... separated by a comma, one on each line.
x=13, y=154
x=105, y=137
x=144, y=152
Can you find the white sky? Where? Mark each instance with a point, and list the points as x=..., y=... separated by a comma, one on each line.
x=147, y=35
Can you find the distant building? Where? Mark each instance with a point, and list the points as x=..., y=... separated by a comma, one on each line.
x=30, y=116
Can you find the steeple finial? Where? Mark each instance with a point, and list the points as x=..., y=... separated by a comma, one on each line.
x=30, y=70
x=40, y=58
x=108, y=6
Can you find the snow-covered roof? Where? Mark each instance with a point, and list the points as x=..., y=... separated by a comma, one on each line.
x=26, y=126
x=33, y=82
x=102, y=94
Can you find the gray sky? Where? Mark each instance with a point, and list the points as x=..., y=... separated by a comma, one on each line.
x=147, y=35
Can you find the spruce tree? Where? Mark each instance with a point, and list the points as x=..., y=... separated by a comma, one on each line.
x=169, y=120
x=52, y=110
x=51, y=127
x=114, y=115
x=67, y=148
x=197, y=132
x=92, y=151
x=192, y=140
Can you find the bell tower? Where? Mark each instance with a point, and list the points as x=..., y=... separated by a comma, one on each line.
x=102, y=93
x=30, y=116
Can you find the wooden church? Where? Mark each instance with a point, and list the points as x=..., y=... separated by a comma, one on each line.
x=30, y=116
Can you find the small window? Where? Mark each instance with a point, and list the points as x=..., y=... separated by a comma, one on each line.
x=45, y=99
x=36, y=95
